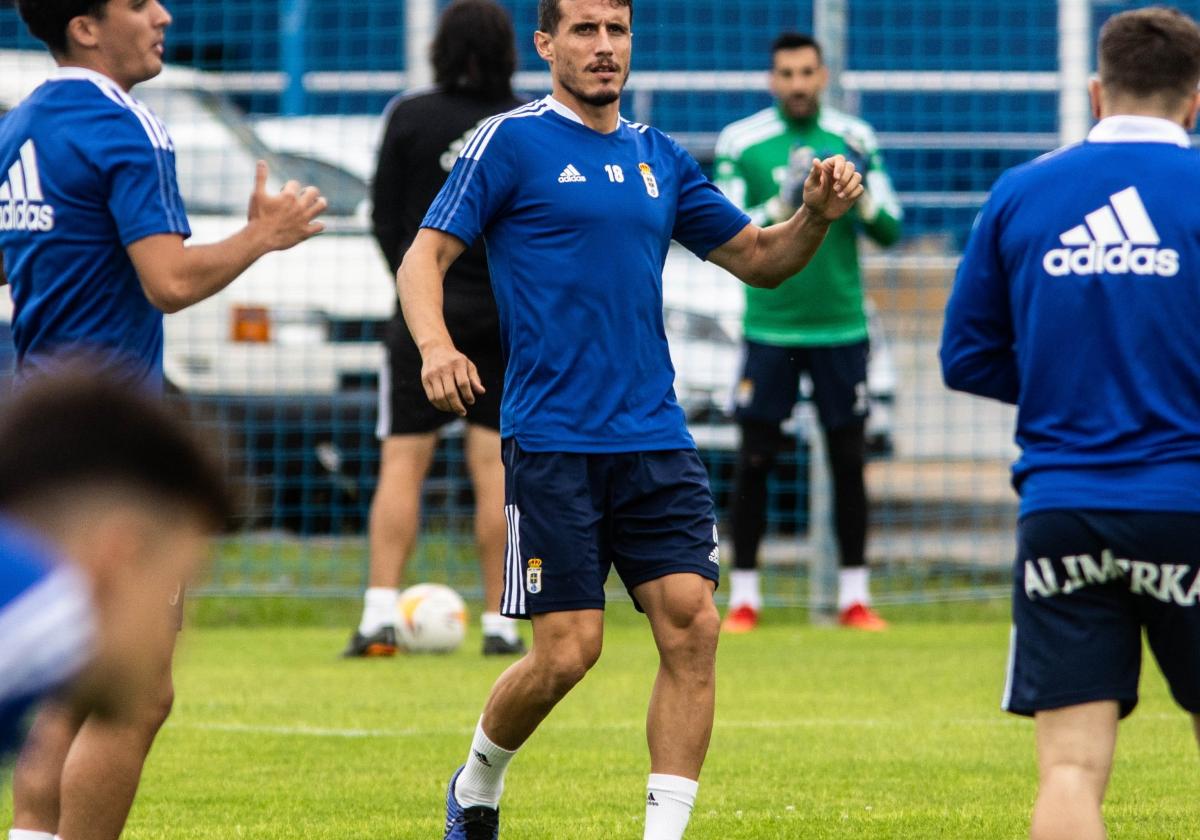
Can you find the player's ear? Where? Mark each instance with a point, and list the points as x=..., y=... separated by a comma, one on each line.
x=81, y=33
x=1095, y=95
x=1190, y=118
x=542, y=42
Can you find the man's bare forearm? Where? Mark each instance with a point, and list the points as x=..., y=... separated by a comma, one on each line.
x=175, y=276
x=783, y=250
x=420, y=284
x=210, y=268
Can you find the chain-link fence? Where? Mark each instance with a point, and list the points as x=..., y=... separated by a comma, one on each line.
x=285, y=363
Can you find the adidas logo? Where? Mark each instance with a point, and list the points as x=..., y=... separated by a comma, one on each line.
x=651, y=801
x=571, y=175
x=1119, y=238
x=482, y=758
x=21, y=198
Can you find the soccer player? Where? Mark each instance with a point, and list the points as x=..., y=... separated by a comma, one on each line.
x=92, y=232
x=106, y=503
x=577, y=207
x=814, y=323
x=1077, y=300
x=474, y=57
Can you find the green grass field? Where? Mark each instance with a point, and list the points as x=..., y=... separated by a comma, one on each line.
x=820, y=733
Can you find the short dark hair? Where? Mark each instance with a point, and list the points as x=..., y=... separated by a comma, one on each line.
x=474, y=49
x=1150, y=52
x=47, y=19
x=549, y=13
x=79, y=427
x=795, y=41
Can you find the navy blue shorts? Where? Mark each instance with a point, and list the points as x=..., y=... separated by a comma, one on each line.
x=770, y=383
x=1085, y=584
x=572, y=516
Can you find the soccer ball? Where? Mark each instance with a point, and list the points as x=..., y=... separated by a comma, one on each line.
x=432, y=618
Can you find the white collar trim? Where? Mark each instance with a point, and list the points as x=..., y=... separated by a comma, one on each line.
x=1128, y=128
x=565, y=111
x=62, y=73
x=562, y=110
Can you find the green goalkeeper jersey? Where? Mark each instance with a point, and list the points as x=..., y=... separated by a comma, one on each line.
x=823, y=304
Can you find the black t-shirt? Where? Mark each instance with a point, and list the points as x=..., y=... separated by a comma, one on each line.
x=423, y=135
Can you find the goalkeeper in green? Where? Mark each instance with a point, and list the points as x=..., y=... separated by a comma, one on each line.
x=814, y=323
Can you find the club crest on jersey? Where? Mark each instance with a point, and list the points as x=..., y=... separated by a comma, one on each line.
x=533, y=576
x=648, y=177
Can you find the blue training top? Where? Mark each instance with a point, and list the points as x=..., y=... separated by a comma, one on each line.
x=577, y=226
x=1078, y=299
x=46, y=627
x=85, y=171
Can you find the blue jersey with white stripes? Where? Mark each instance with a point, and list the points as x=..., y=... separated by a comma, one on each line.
x=577, y=226
x=85, y=171
x=1078, y=299
x=45, y=626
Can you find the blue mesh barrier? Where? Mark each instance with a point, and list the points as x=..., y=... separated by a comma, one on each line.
x=301, y=438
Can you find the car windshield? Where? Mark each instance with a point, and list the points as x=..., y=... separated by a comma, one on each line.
x=216, y=151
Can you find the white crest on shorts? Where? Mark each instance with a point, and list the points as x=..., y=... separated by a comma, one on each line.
x=533, y=576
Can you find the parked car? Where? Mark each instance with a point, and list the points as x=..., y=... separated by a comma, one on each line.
x=286, y=358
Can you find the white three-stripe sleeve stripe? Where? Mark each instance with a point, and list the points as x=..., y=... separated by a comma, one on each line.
x=164, y=188
x=45, y=634
x=163, y=146
x=155, y=124
x=483, y=135
x=448, y=204
x=157, y=135
x=124, y=103
x=33, y=182
x=474, y=153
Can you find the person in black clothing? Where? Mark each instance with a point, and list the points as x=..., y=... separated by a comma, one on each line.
x=474, y=57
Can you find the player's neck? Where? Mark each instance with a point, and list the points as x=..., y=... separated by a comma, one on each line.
x=601, y=118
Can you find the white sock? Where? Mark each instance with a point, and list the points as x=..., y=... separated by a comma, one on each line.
x=379, y=608
x=482, y=779
x=669, y=801
x=494, y=624
x=23, y=834
x=743, y=589
x=853, y=587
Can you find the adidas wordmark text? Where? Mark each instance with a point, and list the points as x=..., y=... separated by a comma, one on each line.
x=21, y=199
x=571, y=175
x=1118, y=238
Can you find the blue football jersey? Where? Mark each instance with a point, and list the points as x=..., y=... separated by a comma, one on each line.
x=85, y=171
x=1077, y=299
x=46, y=626
x=577, y=226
